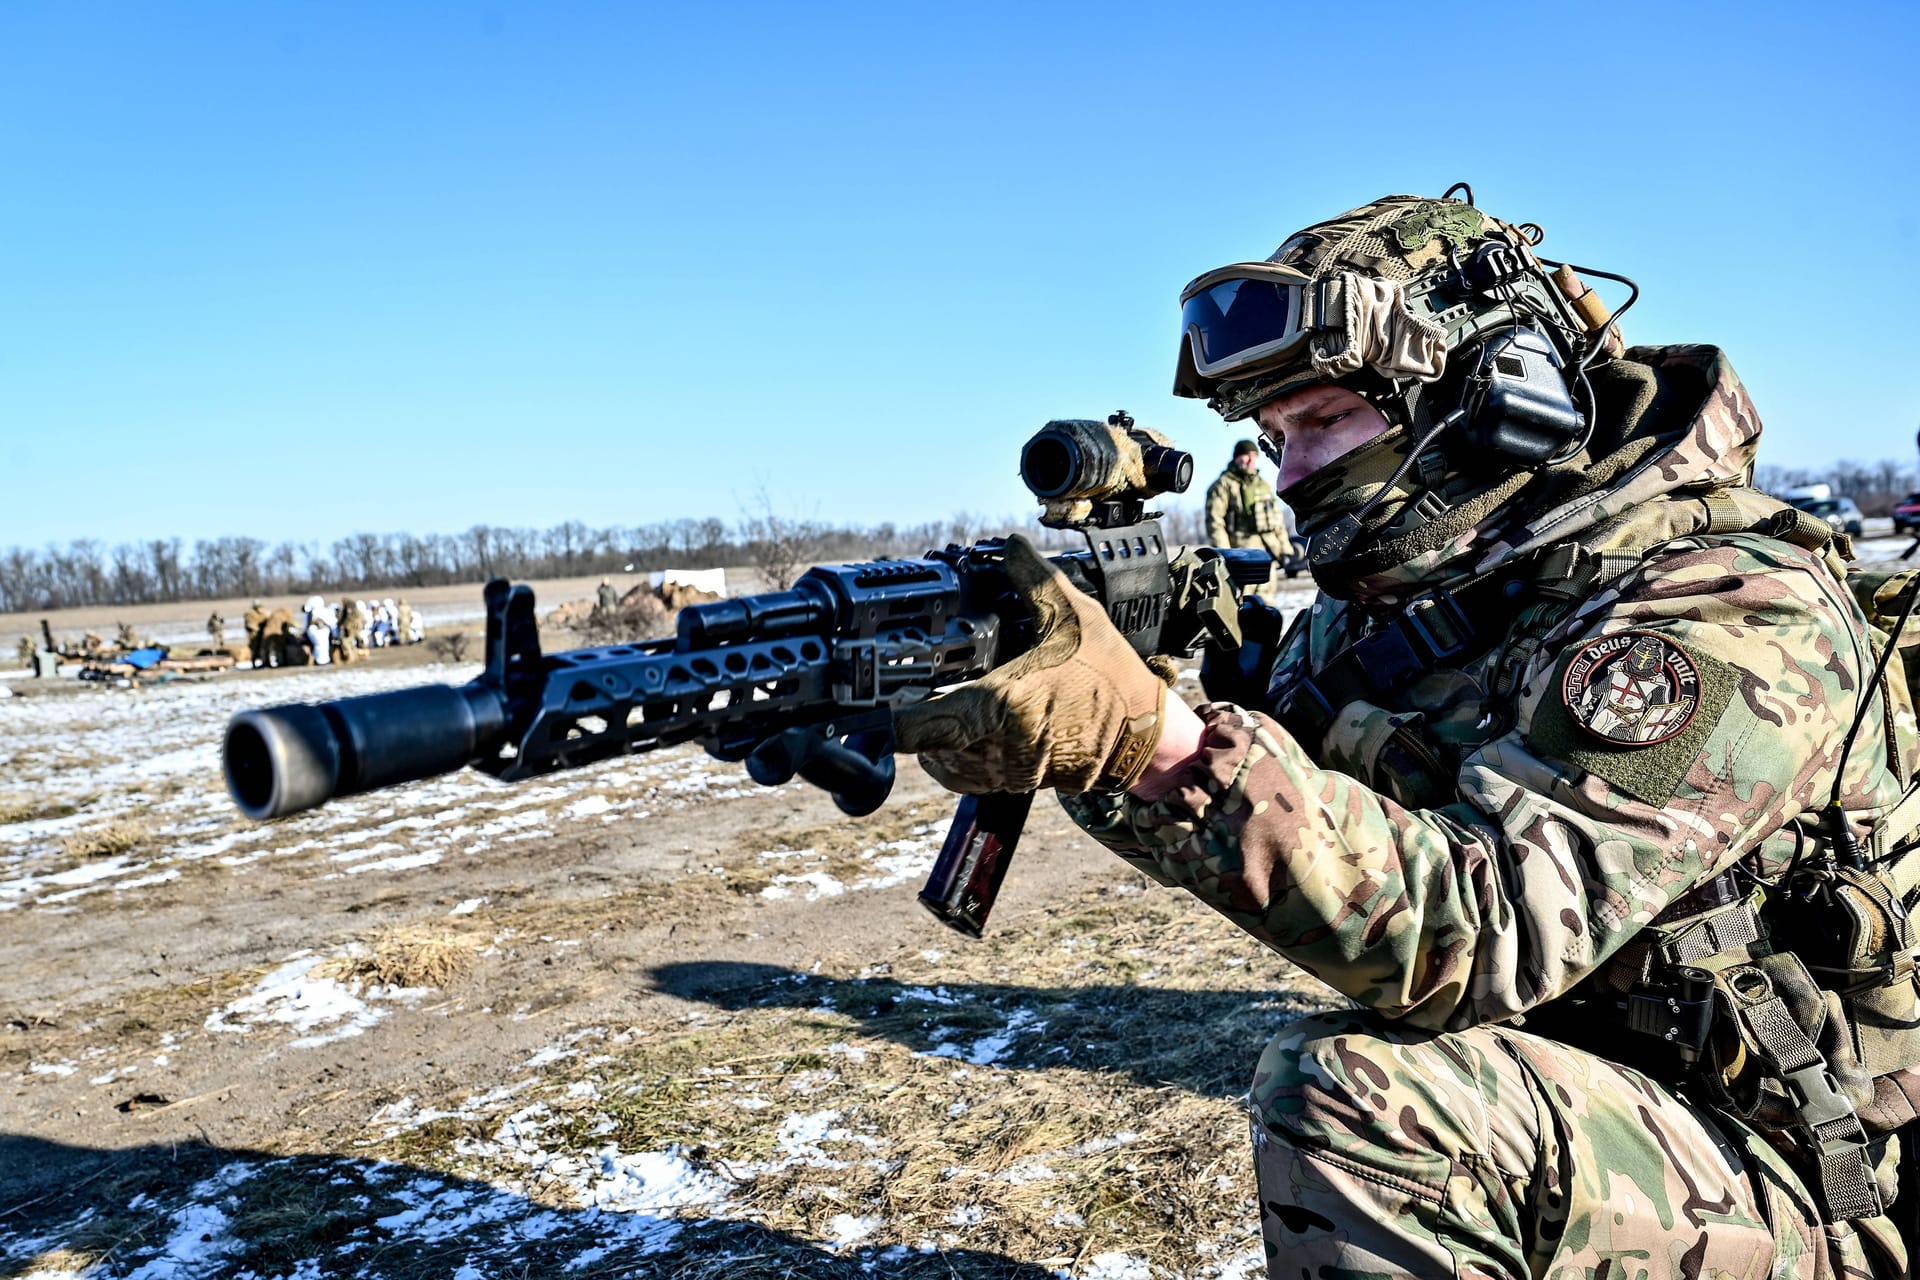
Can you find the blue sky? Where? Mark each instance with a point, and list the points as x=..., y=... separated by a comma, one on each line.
x=297, y=270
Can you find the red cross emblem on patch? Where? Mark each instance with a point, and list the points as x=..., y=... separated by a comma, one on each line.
x=1632, y=688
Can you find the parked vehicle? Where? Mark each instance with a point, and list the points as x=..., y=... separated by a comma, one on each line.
x=1841, y=513
x=1906, y=514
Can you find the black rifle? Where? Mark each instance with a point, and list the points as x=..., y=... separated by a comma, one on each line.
x=802, y=682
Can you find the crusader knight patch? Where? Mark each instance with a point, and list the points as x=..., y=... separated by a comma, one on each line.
x=1632, y=688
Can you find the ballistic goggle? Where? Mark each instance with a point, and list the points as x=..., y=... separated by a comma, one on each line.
x=1244, y=319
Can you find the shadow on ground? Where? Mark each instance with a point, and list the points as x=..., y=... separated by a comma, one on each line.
x=1203, y=1041
x=194, y=1210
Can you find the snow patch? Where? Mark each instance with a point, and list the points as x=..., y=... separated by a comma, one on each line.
x=321, y=1009
x=1116, y=1266
x=819, y=885
x=991, y=1048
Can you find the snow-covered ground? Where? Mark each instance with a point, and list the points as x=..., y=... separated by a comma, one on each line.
x=151, y=757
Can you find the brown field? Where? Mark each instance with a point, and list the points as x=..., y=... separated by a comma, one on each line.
x=641, y=1019
x=189, y=620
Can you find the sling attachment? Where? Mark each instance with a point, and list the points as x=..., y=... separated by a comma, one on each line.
x=1894, y=828
x=1681, y=1016
x=1897, y=957
x=1666, y=973
x=1429, y=631
x=1823, y=1120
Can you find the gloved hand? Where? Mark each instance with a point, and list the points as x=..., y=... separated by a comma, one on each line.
x=1079, y=711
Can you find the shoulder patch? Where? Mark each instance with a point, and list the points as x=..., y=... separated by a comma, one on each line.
x=1632, y=688
x=1605, y=695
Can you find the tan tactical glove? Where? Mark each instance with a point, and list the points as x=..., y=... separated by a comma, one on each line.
x=1079, y=711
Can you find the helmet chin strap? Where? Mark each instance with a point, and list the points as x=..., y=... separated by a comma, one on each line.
x=1332, y=542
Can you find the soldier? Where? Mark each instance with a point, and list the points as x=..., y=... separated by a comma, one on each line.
x=403, y=623
x=217, y=630
x=1242, y=510
x=255, y=621
x=1611, y=1015
x=319, y=629
x=353, y=622
x=279, y=638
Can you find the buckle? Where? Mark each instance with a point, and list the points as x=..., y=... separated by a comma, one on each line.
x=1323, y=308
x=1722, y=890
x=1816, y=1098
x=1428, y=631
x=1439, y=624
x=1308, y=712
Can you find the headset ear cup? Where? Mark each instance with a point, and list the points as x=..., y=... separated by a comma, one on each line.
x=1513, y=390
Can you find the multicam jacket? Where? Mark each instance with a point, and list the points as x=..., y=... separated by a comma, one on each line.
x=1480, y=842
x=1243, y=511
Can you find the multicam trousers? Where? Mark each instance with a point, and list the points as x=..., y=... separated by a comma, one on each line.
x=1386, y=1151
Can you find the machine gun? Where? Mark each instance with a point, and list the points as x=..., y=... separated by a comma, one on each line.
x=802, y=682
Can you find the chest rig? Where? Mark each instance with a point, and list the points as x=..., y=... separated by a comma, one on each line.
x=1784, y=991
x=1467, y=649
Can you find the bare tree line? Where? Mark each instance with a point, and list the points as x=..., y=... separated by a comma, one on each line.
x=89, y=572
x=1874, y=486
x=169, y=570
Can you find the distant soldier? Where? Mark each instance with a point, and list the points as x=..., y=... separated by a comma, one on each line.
x=322, y=624
x=403, y=625
x=386, y=623
x=127, y=638
x=26, y=651
x=217, y=630
x=274, y=634
x=255, y=621
x=606, y=600
x=1242, y=510
x=353, y=621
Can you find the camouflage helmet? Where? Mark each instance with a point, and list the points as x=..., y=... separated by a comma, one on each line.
x=1380, y=294
x=1417, y=305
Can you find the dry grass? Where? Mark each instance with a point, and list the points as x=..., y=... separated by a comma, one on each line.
x=1111, y=1121
x=63, y=1261
x=1107, y=1120
x=30, y=808
x=123, y=835
x=286, y=1216
x=409, y=955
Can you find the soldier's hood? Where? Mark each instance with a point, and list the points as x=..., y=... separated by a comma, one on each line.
x=1672, y=420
